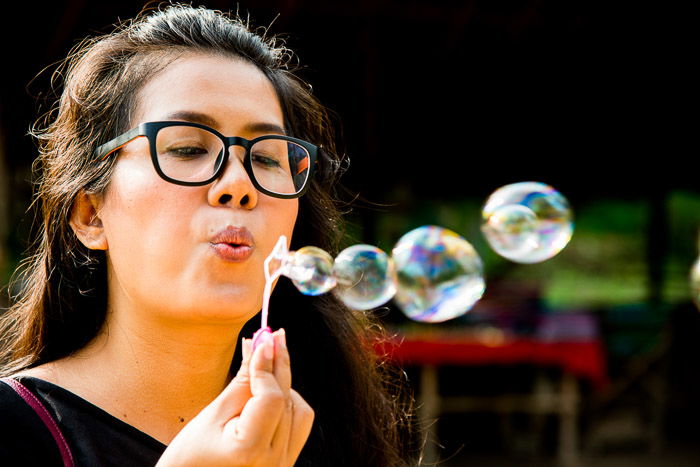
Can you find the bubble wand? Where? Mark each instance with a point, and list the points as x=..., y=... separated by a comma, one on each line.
x=279, y=254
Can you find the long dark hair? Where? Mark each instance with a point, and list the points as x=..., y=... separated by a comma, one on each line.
x=362, y=417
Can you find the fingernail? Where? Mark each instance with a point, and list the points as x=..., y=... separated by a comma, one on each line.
x=282, y=339
x=245, y=348
x=268, y=346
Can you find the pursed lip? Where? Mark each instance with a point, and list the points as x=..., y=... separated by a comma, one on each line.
x=233, y=244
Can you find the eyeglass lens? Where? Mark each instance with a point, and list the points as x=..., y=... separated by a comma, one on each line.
x=192, y=154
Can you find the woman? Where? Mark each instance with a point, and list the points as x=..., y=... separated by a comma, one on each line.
x=162, y=190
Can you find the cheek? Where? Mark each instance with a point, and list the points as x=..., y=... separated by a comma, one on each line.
x=283, y=219
x=292, y=214
x=142, y=213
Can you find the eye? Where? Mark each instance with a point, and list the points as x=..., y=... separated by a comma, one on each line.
x=187, y=152
x=265, y=160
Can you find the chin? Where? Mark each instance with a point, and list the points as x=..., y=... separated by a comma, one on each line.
x=228, y=311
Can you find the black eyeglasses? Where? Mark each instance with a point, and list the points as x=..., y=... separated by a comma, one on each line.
x=191, y=154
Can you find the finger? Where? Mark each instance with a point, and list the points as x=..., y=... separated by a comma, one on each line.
x=301, y=424
x=261, y=415
x=282, y=367
x=280, y=441
x=235, y=395
x=283, y=374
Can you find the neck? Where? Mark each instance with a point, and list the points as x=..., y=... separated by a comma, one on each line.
x=154, y=375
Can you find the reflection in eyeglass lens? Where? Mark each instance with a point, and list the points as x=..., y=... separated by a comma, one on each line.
x=277, y=163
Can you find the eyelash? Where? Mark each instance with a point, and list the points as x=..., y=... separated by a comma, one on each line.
x=265, y=160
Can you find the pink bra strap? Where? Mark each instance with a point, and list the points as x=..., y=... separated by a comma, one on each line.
x=45, y=416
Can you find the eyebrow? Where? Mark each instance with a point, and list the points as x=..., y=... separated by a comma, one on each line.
x=204, y=119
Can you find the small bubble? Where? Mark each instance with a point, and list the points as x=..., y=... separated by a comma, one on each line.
x=365, y=277
x=311, y=270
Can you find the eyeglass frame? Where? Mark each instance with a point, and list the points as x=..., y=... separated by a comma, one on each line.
x=150, y=131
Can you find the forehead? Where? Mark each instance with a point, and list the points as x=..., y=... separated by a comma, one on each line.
x=230, y=90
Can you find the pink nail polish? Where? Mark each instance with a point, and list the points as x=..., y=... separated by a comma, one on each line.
x=260, y=335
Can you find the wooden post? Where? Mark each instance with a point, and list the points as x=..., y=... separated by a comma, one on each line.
x=428, y=412
x=568, y=421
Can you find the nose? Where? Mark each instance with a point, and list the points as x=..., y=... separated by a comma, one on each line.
x=233, y=187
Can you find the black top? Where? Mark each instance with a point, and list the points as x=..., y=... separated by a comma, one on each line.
x=95, y=437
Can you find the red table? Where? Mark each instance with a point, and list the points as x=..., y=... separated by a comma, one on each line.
x=584, y=359
x=579, y=359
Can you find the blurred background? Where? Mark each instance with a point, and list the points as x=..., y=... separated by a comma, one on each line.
x=589, y=358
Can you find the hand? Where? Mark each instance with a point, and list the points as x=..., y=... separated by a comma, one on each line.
x=257, y=420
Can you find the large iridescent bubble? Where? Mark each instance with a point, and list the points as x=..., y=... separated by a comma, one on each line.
x=440, y=275
x=365, y=277
x=527, y=222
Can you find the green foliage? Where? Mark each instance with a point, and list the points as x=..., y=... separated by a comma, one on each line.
x=604, y=264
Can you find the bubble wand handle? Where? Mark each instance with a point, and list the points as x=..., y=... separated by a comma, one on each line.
x=279, y=255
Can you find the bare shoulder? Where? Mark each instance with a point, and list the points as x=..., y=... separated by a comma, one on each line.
x=48, y=372
x=67, y=374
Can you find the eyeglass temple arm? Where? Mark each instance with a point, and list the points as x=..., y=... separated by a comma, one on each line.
x=111, y=146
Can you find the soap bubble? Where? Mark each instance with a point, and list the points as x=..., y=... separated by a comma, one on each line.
x=527, y=222
x=512, y=228
x=311, y=270
x=695, y=283
x=365, y=277
x=439, y=274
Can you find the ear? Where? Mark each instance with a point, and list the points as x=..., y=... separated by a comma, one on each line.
x=85, y=221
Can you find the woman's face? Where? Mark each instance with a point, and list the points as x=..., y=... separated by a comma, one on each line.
x=163, y=251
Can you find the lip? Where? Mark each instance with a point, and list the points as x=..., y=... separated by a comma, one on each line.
x=234, y=244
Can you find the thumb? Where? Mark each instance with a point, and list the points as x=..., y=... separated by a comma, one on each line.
x=234, y=396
